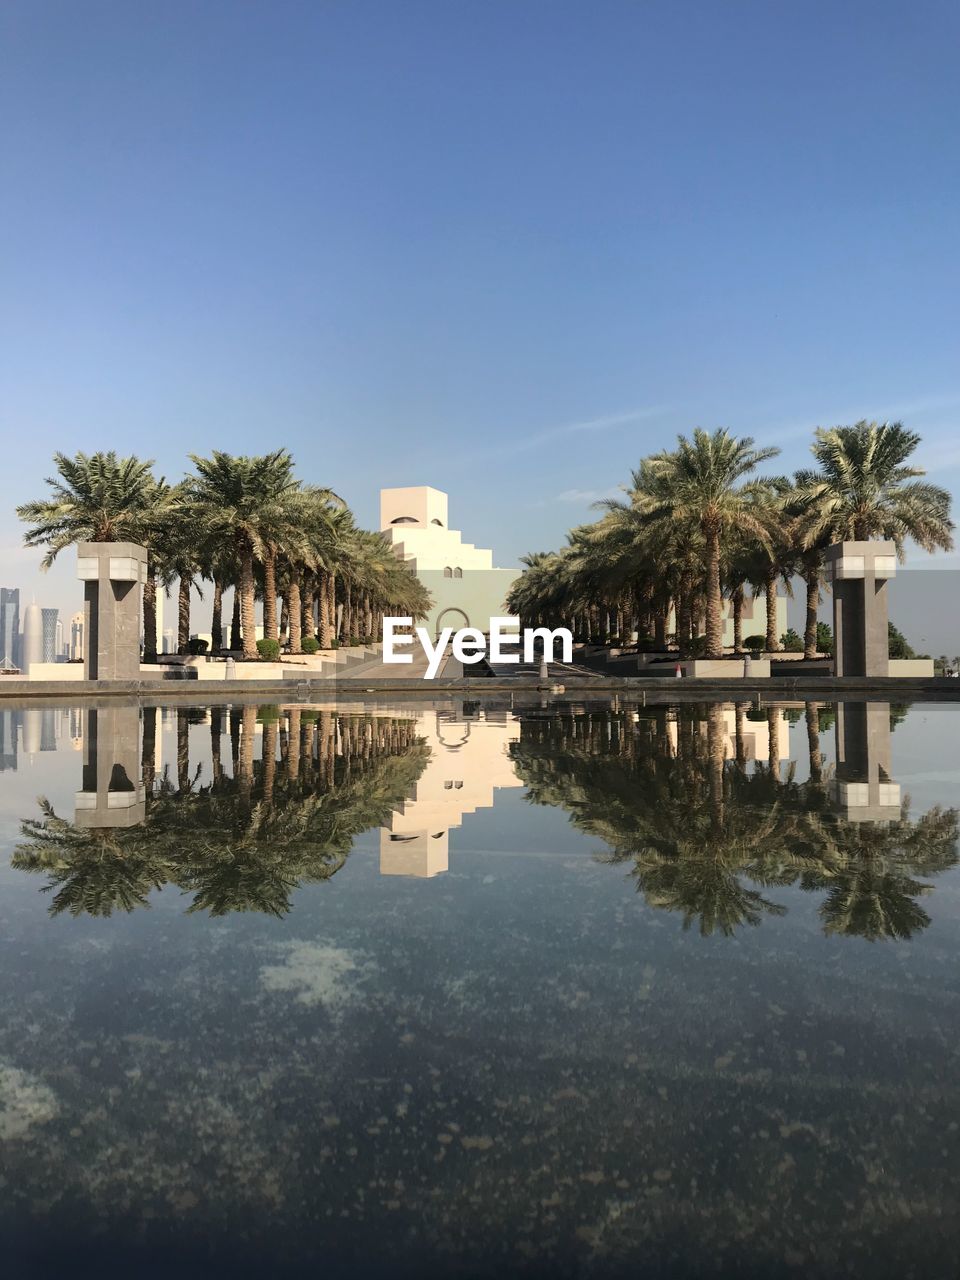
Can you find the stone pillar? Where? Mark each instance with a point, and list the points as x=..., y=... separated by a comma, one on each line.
x=858, y=573
x=112, y=793
x=112, y=574
x=863, y=790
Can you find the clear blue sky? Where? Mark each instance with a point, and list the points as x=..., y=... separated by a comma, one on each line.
x=500, y=248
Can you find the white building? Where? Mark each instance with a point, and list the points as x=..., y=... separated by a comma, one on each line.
x=466, y=588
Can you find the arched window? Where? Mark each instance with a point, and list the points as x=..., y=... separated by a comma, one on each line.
x=448, y=572
x=405, y=520
x=458, y=572
x=436, y=521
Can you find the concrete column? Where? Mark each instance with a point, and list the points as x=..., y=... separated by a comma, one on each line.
x=863, y=789
x=113, y=574
x=858, y=573
x=112, y=794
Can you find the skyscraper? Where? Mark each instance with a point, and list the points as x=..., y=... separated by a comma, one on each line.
x=9, y=723
x=9, y=626
x=32, y=650
x=48, y=646
x=76, y=638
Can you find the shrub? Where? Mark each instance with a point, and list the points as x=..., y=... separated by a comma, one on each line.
x=353, y=641
x=897, y=643
x=756, y=644
x=824, y=638
x=614, y=640
x=790, y=642
x=268, y=714
x=196, y=646
x=269, y=650
x=335, y=643
x=309, y=644
x=697, y=647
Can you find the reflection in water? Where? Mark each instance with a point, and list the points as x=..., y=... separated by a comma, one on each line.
x=469, y=762
x=242, y=841
x=706, y=836
x=702, y=804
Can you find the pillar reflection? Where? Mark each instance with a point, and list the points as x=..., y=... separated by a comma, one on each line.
x=863, y=789
x=112, y=793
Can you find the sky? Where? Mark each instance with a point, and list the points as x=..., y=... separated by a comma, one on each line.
x=505, y=249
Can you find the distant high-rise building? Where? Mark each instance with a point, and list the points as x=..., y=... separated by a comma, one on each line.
x=9, y=724
x=49, y=624
x=32, y=648
x=9, y=626
x=48, y=729
x=76, y=638
x=61, y=653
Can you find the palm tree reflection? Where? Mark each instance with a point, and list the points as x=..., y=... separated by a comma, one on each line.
x=707, y=835
x=241, y=841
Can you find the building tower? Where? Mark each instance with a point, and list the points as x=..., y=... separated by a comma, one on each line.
x=76, y=638
x=467, y=590
x=9, y=626
x=50, y=618
x=32, y=649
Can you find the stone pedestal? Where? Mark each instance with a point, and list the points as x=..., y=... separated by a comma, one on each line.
x=858, y=573
x=863, y=790
x=112, y=794
x=112, y=574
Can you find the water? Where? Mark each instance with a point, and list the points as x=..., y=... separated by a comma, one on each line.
x=459, y=989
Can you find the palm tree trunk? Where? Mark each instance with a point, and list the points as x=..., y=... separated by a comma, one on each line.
x=183, y=750
x=183, y=613
x=150, y=616
x=149, y=754
x=284, y=621
x=714, y=646
x=715, y=758
x=812, y=580
x=773, y=742
x=347, y=613
x=309, y=627
x=270, y=595
x=770, y=589
x=294, y=613
x=736, y=602
x=269, y=760
x=216, y=736
x=249, y=718
x=248, y=624
x=740, y=715
x=236, y=640
x=813, y=742
x=293, y=748
x=660, y=629
x=331, y=588
x=324, y=611
x=216, y=623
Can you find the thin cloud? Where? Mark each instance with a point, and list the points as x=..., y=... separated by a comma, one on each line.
x=588, y=496
x=608, y=422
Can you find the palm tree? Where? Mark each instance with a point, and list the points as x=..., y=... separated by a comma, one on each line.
x=865, y=489
x=97, y=498
x=101, y=497
x=699, y=483
x=242, y=498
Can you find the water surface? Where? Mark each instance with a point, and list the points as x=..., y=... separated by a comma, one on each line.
x=472, y=989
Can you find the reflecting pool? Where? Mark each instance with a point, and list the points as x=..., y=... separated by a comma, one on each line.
x=480, y=988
